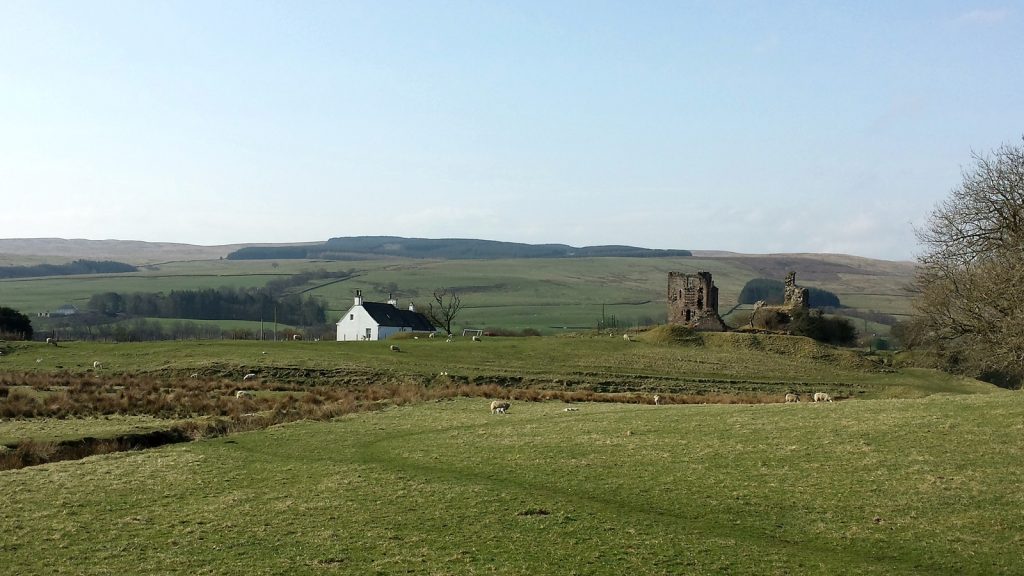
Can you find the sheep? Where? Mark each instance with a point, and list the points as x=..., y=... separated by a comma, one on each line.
x=790, y=398
x=499, y=407
x=431, y=335
x=476, y=339
x=194, y=375
x=248, y=394
x=571, y=410
x=822, y=397
x=296, y=336
x=657, y=400
x=249, y=376
x=395, y=348
x=626, y=338
x=97, y=364
x=51, y=341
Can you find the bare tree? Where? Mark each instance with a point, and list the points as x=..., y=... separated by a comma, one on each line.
x=444, y=308
x=971, y=277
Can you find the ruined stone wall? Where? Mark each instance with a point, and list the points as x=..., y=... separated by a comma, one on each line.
x=795, y=297
x=693, y=301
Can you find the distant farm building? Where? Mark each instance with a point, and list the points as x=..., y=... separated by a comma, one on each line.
x=65, y=310
x=377, y=321
x=693, y=301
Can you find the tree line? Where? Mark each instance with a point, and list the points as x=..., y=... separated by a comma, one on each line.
x=76, y=267
x=774, y=292
x=213, y=304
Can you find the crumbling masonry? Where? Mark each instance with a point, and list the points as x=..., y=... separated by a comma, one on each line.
x=693, y=301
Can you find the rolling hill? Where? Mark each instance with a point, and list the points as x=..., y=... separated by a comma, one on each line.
x=546, y=293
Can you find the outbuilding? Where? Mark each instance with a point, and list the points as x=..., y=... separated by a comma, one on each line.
x=377, y=320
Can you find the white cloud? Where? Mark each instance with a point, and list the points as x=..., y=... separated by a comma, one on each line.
x=981, y=16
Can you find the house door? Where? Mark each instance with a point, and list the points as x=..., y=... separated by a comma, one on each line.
x=369, y=333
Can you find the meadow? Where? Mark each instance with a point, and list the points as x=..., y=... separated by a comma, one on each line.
x=906, y=486
x=550, y=295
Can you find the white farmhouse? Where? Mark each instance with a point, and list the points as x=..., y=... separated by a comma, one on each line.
x=377, y=321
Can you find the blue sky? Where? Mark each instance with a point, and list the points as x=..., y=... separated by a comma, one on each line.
x=745, y=126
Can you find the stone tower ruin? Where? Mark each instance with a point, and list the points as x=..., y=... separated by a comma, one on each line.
x=693, y=301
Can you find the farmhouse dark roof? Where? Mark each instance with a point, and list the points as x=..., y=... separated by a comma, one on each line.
x=388, y=315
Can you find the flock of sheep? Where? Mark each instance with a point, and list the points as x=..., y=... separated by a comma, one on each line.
x=818, y=397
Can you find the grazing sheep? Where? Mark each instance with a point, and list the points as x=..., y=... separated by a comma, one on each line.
x=476, y=339
x=97, y=364
x=790, y=398
x=822, y=397
x=296, y=336
x=657, y=400
x=626, y=338
x=431, y=335
x=499, y=407
x=395, y=348
x=194, y=375
x=245, y=394
x=51, y=341
x=249, y=376
x=571, y=410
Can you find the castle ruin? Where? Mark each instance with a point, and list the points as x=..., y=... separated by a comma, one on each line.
x=693, y=301
x=795, y=297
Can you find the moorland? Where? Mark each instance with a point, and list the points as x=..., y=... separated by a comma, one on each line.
x=354, y=458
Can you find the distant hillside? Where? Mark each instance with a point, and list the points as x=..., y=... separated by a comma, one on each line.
x=444, y=249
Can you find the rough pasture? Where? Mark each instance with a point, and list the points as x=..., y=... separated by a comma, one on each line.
x=922, y=486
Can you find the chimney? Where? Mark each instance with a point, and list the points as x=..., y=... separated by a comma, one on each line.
x=391, y=300
x=359, y=297
x=412, y=307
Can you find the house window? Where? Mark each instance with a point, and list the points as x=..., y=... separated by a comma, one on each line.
x=351, y=316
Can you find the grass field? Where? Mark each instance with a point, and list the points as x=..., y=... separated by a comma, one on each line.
x=704, y=364
x=923, y=486
x=544, y=294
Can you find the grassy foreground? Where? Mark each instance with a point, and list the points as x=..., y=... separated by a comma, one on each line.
x=925, y=486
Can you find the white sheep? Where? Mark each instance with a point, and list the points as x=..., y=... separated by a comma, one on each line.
x=97, y=364
x=499, y=407
x=395, y=348
x=249, y=394
x=657, y=400
x=194, y=375
x=822, y=397
x=626, y=338
x=476, y=339
x=571, y=410
x=790, y=398
x=249, y=376
x=51, y=341
x=296, y=336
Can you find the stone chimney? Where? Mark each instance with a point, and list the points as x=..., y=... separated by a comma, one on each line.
x=359, y=297
x=392, y=301
x=412, y=307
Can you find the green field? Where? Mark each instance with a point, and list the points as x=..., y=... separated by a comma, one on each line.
x=550, y=295
x=656, y=362
x=867, y=487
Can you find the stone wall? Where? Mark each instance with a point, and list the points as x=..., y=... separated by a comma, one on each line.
x=693, y=301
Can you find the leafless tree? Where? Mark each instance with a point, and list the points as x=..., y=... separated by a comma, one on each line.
x=971, y=279
x=444, y=308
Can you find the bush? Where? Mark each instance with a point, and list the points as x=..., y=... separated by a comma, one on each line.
x=814, y=325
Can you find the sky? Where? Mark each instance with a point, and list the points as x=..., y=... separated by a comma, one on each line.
x=755, y=127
